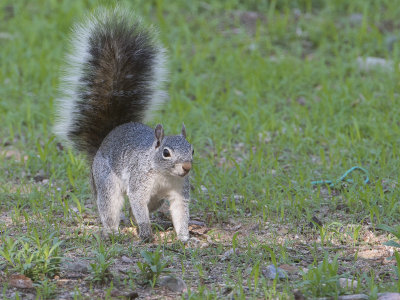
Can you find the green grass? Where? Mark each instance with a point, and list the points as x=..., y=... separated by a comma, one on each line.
x=272, y=98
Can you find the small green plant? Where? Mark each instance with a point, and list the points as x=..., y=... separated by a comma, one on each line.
x=256, y=274
x=153, y=265
x=100, y=267
x=46, y=290
x=202, y=293
x=235, y=242
x=397, y=257
x=322, y=280
x=393, y=230
x=33, y=256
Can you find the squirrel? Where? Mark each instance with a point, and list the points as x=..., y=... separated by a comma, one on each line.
x=112, y=83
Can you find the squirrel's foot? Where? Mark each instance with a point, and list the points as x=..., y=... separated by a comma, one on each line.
x=184, y=238
x=145, y=233
x=107, y=232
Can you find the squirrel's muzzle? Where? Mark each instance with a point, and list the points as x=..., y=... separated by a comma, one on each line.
x=186, y=166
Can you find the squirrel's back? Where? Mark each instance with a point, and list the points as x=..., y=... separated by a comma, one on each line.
x=114, y=75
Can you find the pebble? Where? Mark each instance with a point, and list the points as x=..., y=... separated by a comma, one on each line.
x=174, y=284
x=346, y=283
x=126, y=295
x=77, y=266
x=126, y=259
x=290, y=269
x=271, y=271
x=372, y=63
x=390, y=41
x=354, y=297
x=193, y=242
x=388, y=296
x=227, y=255
x=356, y=19
x=204, y=245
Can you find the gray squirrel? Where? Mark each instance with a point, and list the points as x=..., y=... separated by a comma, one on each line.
x=111, y=85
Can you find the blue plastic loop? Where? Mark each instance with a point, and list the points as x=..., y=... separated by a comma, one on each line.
x=343, y=178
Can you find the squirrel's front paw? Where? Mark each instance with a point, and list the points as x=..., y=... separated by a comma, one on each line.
x=184, y=238
x=107, y=232
x=145, y=233
x=146, y=239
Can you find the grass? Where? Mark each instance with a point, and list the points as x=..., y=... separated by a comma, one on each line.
x=272, y=98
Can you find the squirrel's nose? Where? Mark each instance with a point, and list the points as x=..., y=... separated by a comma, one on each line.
x=186, y=166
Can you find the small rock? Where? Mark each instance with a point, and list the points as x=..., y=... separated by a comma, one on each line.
x=356, y=18
x=388, y=296
x=204, y=189
x=271, y=272
x=289, y=268
x=238, y=198
x=283, y=231
x=346, y=283
x=372, y=63
x=390, y=41
x=21, y=281
x=227, y=255
x=197, y=223
x=6, y=36
x=174, y=284
x=76, y=266
x=301, y=101
x=256, y=227
x=304, y=270
x=126, y=259
x=354, y=297
x=248, y=270
x=126, y=295
x=193, y=242
x=204, y=245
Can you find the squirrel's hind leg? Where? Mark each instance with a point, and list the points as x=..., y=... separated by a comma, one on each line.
x=110, y=197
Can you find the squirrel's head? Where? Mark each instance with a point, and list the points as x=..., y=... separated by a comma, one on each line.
x=174, y=154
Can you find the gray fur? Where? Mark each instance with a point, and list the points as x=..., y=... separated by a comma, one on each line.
x=130, y=162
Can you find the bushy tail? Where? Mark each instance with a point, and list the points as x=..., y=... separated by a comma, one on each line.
x=114, y=75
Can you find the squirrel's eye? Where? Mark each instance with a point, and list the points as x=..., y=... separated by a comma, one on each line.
x=166, y=153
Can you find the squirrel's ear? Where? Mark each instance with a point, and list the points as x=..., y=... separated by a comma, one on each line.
x=159, y=133
x=183, y=130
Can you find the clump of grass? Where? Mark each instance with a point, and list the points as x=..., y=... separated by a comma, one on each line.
x=102, y=260
x=322, y=280
x=33, y=256
x=152, y=266
x=46, y=289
